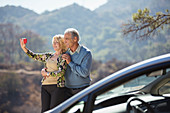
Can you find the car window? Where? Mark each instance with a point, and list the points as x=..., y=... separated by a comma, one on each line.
x=128, y=87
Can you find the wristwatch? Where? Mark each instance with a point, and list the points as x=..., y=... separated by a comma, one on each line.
x=48, y=74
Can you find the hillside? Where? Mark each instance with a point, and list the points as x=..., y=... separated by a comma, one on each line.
x=122, y=10
x=20, y=93
x=99, y=29
x=131, y=6
x=11, y=14
x=58, y=20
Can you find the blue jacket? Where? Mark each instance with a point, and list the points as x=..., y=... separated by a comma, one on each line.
x=78, y=70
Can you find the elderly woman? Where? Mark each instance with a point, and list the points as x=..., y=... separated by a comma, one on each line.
x=53, y=89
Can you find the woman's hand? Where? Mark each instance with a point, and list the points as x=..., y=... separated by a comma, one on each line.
x=22, y=43
x=43, y=72
x=23, y=46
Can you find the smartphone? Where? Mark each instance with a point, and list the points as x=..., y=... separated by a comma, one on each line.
x=25, y=40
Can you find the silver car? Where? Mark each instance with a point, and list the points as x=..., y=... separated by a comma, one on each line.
x=140, y=88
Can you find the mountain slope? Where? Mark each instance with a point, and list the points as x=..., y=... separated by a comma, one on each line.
x=57, y=21
x=99, y=29
x=12, y=13
x=124, y=6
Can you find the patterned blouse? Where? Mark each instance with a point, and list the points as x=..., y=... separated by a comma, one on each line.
x=61, y=66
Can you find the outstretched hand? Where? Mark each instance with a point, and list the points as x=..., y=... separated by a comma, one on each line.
x=23, y=46
x=22, y=43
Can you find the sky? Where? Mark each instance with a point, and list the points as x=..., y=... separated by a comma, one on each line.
x=39, y=6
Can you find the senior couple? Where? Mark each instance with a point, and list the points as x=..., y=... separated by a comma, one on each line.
x=66, y=72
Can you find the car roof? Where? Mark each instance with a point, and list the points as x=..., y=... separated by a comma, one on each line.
x=163, y=60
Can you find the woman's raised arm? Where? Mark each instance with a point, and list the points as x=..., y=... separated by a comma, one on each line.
x=23, y=46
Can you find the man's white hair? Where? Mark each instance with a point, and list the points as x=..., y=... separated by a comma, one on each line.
x=73, y=32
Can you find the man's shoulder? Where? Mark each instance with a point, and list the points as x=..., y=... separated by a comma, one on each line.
x=85, y=49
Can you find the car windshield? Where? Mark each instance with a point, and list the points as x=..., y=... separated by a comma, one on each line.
x=131, y=86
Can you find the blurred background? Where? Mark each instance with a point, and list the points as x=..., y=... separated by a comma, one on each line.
x=99, y=25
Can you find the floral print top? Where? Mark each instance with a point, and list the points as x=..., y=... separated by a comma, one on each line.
x=61, y=66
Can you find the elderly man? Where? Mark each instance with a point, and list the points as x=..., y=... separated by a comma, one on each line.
x=79, y=60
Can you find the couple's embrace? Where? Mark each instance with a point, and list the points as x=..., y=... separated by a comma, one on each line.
x=66, y=72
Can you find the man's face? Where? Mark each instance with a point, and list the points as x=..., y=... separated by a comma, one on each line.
x=68, y=40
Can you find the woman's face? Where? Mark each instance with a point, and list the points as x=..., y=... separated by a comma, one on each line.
x=56, y=45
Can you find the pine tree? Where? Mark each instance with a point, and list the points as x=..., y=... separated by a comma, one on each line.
x=143, y=25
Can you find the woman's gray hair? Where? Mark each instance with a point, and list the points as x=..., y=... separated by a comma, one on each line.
x=73, y=32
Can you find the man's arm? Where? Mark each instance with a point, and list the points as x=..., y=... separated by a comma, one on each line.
x=84, y=68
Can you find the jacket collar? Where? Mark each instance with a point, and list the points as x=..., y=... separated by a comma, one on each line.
x=77, y=50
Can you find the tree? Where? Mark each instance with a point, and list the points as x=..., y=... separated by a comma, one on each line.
x=8, y=41
x=10, y=50
x=144, y=25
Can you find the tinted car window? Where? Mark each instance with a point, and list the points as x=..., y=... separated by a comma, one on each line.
x=130, y=86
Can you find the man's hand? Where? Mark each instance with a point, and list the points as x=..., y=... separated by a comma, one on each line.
x=67, y=58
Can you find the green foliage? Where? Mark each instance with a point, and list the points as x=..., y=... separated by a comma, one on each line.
x=99, y=29
x=144, y=25
x=10, y=51
x=144, y=17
